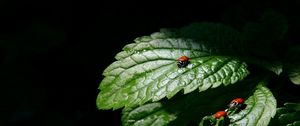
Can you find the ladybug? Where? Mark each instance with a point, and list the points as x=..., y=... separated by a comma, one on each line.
x=183, y=61
x=220, y=114
x=238, y=102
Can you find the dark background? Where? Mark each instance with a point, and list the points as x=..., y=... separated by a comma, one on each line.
x=53, y=53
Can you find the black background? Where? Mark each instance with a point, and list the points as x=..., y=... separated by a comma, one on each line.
x=53, y=52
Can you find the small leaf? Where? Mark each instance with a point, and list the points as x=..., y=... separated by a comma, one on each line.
x=293, y=71
x=295, y=77
x=293, y=106
x=275, y=67
x=292, y=66
x=209, y=120
x=147, y=71
x=296, y=123
x=288, y=115
x=261, y=107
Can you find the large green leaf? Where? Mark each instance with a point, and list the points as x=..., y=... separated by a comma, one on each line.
x=183, y=110
x=261, y=107
x=152, y=114
x=146, y=70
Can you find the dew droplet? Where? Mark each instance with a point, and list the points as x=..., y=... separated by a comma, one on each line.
x=190, y=66
x=179, y=70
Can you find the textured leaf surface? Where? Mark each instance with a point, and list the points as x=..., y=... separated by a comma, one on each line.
x=288, y=115
x=147, y=70
x=184, y=110
x=153, y=114
x=261, y=107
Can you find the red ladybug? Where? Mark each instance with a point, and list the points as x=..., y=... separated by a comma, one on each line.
x=220, y=114
x=238, y=102
x=183, y=61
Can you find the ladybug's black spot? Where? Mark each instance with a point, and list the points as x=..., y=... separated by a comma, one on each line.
x=182, y=64
x=243, y=106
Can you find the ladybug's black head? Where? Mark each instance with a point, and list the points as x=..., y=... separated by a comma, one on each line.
x=232, y=104
x=182, y=64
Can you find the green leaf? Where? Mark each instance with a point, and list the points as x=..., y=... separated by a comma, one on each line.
x=183, y=110
x=146, y=71
x=263, y=41
x=296, y=123
x=261, y=107
x=153, y=114
x=210, y=120
x=294, y=74
x=275, y=67
x=292, y=66
x=288, y=115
